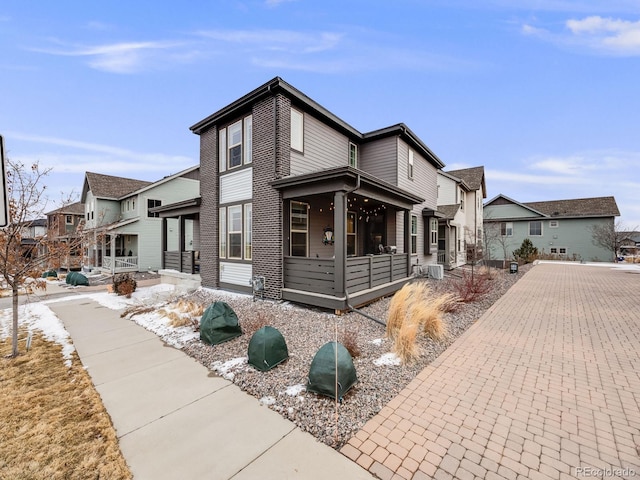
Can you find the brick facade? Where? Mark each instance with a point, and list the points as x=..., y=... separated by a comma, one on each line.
x=271, y=160
x=209, y=188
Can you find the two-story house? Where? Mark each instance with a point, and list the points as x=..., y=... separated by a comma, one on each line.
x=64, y=235
x=121, y=231
x=324, y=214
x=31, y=234
x=559, y=229
x=460, y=201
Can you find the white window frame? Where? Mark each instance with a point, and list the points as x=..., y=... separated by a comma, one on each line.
x=414, y=234
x=534, y=234
x=248, y=139
x=234, y=129
x=434, y=231
x=248, y=221
x=222, y=149
x=508, y=229
x=222, y=223
x=462, y=200
x=68, y=219
x=156, y=203
x=353, y=155
x=410, y=165
x=231, y=230
x=305, y=231
x=554, y=224
x=297, y=130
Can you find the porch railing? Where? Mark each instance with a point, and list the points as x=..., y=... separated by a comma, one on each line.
x=120, y=264
x=442, y=257
x=317, y=275
x=185, y=262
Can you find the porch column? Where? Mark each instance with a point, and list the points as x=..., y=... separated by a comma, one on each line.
x=112, y=243
x=181, y=240
x=163, y=240
x=340, y=243
x=407, y=240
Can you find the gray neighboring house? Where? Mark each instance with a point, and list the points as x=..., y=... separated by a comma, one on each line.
x=326, y=215
x=460, y=197
x=559, y=229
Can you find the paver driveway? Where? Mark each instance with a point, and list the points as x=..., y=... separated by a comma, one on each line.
x=546, y=385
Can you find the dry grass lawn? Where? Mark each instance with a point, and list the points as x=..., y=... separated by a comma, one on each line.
x=52, y=421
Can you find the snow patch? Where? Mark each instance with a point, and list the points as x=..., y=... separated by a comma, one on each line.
x=225, y=369
x=295, y=390
x=377, y=341
x=388, y=359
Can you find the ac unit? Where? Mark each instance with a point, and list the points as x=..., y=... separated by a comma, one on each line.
x=435, y=271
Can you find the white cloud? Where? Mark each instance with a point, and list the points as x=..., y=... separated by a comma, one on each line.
x=606, y=36
x=277, y=3
x=123, y=57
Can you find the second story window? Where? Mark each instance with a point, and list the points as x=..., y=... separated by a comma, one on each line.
x=410, y=165
x=68, y=219
x=535, y=228
x=152, y=204
x=462, y=200
x=506, y=229
x=297, y=130
x=353, y=155
x=235, y=144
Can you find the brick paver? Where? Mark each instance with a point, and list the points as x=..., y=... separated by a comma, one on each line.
x=545, y=385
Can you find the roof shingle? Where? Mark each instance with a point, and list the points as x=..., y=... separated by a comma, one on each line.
x=579, y=207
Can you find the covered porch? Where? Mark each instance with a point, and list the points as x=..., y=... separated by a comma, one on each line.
x=450, y=253
x=346, y=238
x=180, y=236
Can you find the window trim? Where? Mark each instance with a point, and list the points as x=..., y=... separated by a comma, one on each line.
x=222, y=223
x=353, y=155
x=247, y=135
x=156, y=203
x=230, y=232
x=239, y=143
x=508, y=227
x=554, y=223
x=247, y=231
x=410, y=165
x=297, y=130
x=68, y=219
x=541, y=230
x=414, y=234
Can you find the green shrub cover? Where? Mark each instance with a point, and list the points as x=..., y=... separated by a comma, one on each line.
x=219, y=323
x=50, y=273
x=75, y=278
x=322, y=374
x=267, y=349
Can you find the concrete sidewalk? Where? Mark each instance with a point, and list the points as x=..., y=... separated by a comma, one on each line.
x=545, y=385
x=175, y=419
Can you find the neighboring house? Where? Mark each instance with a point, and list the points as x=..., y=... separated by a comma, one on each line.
x=121, y=233
x=460, y=198
x=630, y=244
x=559, y=229
x=64, y=235
x=31, y=234
x=298, y=198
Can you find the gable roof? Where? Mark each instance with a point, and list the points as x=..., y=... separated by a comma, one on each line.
x=579, y=207
x=572, y=208
x=473, y=177
x=448, y=211
x=76, y=208
x=278, y=85
x=109, y=187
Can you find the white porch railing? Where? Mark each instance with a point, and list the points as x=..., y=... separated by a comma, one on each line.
x=120, y=264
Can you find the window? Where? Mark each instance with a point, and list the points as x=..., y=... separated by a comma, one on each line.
x=234, y=145
x=247, y=230
x=410, y=165
x=506, y=229
x=563, y=251
x=223, y=232
x=299, y=229
x=248, y=140
x=153, y=204
x=351, y=233
x=434, y=231
x=535, y=228
x=353, y=155
x=553, y=223
x=68, y=219
x=414, y=234
x=234, y=228
x=461, y=200
x=297, y=130
x=553, y=250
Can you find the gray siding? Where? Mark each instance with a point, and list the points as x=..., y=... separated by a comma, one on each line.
x=380, y=158
x=323, y=148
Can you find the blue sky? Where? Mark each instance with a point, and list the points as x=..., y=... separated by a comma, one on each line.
x=544, y=94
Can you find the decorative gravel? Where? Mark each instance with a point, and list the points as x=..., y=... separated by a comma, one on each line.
x=380, y=374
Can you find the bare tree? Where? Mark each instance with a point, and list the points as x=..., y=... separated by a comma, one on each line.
x=494, y=236
x=26, y=202
x=610, y=236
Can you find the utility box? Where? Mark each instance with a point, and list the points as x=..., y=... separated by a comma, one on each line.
x=513, y=267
